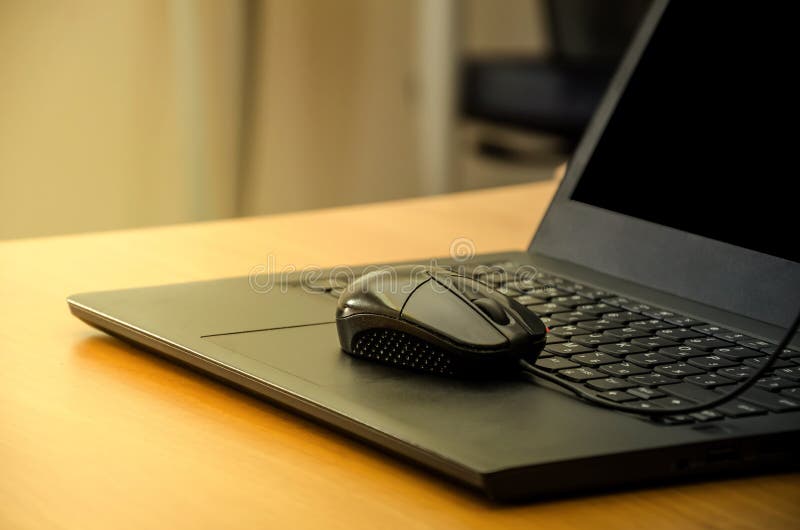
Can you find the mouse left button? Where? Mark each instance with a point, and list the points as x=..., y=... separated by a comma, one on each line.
x=379, y=292
x=437, y=309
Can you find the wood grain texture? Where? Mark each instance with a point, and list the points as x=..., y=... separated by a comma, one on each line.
x=98, y=434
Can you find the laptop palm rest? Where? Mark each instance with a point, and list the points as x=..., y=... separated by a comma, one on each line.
x=310, y=352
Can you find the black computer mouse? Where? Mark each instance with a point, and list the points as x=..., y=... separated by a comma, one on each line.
x=433, y=320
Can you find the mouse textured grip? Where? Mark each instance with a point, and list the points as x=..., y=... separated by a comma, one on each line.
x=400, y=349
x=403, y=350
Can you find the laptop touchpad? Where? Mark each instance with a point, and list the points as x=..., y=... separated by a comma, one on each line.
x=310, y=352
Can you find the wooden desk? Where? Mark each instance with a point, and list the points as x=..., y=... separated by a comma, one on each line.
x=97, y=434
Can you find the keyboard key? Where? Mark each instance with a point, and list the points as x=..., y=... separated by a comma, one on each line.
x=660, y=314
x=644, y=392
x=755, y=344
x=569, y=284
x=567, y=331
x=652, y=380
x=563, y=283
x=553, y=364
x=708, y=380
x=691, y=392
x=623, y=317
x=620, y=349
x=593, y=359
x=591, y=292
x=571, y=301
x=522, y=286
x=510, y=291
x=710, y=362
x=792, y=372
x=598, y=325
x=566, y=285
x=573, y=316
x=650, y=325
x=554, y=339
x=546, y=292
x=544, y=278
x=707, y=415
x=637, y=307
x=740, y=409
x=682, y=352
x=785, y=354
x=678, y=334
x=793, y=393
x=775, y=384
x=551, y=322
x=617, y=301
x=581, y=374
x=510, y=266
x=653, y=343
x=670, y=402
x=546, y=309
x=733, y=336
x=593, y=339
x=617, y=396
x=707, y=343
x=769, y=400
x=623, y=369
x=566, y=349
x=736, y=353
x=527, y=299
x=738, y=373
x=573, y=284
x=677, y=419
x=627, y=333
x=570, y=287
x=595, y=309
x=710, y=329
x=644, y=405
x=677, y=370
x=684, y=321
x=609, y=383
x=756, y=362
x=648, y=359
x=493, y=277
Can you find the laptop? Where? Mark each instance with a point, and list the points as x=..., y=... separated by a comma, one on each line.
x=668, y=268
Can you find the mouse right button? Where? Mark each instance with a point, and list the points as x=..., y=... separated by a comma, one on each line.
x=437, y=309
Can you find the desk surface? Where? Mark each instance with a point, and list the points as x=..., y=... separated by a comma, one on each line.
x=97, y=434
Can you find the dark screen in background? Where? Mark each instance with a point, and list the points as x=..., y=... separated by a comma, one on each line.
x=704, y=137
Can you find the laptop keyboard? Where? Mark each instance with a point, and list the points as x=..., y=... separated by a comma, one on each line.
x=627, y=351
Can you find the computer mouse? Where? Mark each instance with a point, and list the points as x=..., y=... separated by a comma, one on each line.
x=432, y=319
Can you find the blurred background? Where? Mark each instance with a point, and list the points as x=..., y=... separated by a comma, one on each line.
x=144, y=112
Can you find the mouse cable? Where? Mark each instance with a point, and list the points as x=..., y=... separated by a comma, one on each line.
x=531, y=372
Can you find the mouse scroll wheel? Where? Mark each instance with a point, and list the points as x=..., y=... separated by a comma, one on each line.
x=493, y=310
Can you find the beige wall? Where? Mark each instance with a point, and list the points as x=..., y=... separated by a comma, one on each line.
x=130, y=113
x=335, y=120
x=99, y=126
x=514, y=27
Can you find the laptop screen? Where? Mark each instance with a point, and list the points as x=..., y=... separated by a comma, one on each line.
x=701, y=138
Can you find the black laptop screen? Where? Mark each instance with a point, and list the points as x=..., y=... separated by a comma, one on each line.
x=702, y=137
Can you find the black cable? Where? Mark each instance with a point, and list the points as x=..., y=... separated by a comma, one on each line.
x=531, y=370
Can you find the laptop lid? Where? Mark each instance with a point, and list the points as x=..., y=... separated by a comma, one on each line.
x=683, y=180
